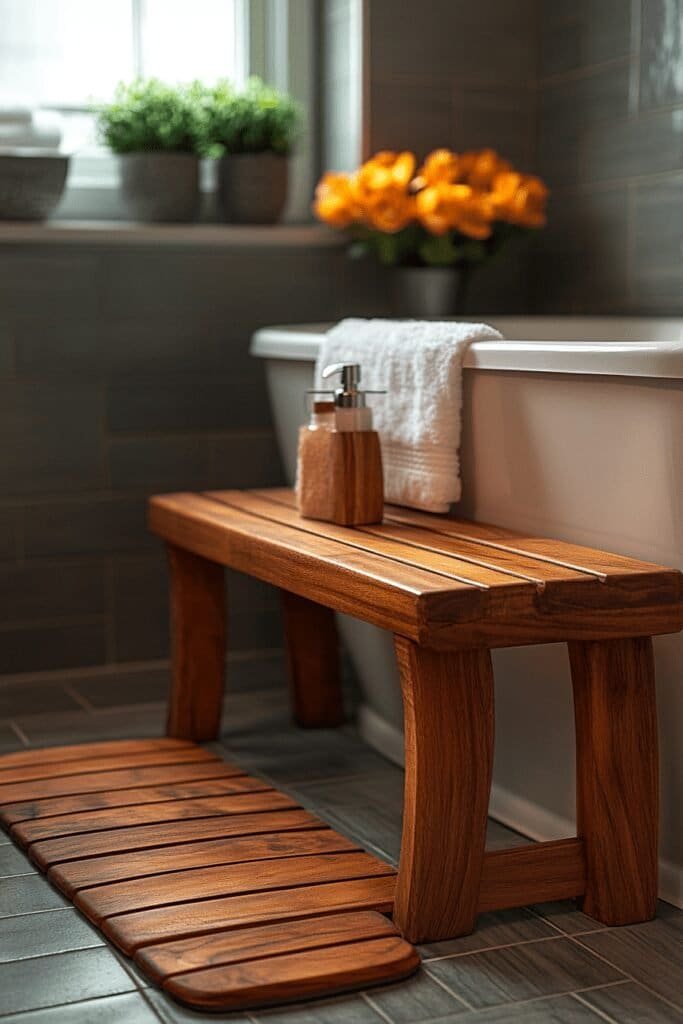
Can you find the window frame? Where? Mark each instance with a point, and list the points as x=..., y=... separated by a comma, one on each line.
x=278, y=45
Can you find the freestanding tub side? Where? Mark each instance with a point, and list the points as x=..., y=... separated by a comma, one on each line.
x=573, y=427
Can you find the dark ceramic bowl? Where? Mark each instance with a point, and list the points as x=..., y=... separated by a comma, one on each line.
x=31, y=184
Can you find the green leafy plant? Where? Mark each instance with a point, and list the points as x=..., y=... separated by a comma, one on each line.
x=148, y=116
x=259, y=119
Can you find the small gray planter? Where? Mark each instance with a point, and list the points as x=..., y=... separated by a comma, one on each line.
x=159, y=187
x=252, y=187
x=31, y=185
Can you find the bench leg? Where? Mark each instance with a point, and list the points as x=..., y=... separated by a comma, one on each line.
x=617, y=776
x=197, y=646
x=313, y=662
x=449, y=727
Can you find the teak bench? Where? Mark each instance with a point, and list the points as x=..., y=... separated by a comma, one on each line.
x=450, y=591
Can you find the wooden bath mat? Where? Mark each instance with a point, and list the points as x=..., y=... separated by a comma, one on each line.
x=226, y=893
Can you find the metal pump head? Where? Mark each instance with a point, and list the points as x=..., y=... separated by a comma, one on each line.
x=348, y=395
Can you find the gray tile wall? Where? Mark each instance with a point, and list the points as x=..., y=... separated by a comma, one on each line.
x=458, y=74
x=588, y=94
x=610, y=145
x=125, y=371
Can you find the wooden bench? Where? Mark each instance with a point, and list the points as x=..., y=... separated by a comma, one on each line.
x=450, y=591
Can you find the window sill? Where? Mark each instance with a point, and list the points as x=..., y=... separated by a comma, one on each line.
x=131, y=234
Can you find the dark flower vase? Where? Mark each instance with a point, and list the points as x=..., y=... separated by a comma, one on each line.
x=430, y=293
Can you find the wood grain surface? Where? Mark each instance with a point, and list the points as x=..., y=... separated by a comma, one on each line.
x=170, y=833
x=221, y=948
x=312, y=647
x=205, y=869
x=445, y=583
x=197, y=645
x=74, y=875
x=285, y=978
x=178, y=887
x=617, y=775
x=448, y=713
x=27, y=832
x=207, y=778
x=132, y=931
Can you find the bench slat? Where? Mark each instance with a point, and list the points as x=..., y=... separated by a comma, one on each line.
x=392, y=548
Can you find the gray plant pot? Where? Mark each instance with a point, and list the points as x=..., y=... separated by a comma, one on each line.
x=31, y=185
x=160, y=187
x=252, y=187
x=428, y=292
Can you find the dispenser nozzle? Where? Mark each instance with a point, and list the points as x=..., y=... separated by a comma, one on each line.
x=350, y=374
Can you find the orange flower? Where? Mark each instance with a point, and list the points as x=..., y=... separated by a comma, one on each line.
x=334, y=203
x=443, y=208
x=440, y=167
x=384, y=170
x=483, y=166
x=389, y=209
x=519, y=199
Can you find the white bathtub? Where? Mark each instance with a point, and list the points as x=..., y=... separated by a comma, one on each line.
x=573, y=430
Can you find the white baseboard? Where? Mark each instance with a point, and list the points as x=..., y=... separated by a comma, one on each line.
x=508, y=808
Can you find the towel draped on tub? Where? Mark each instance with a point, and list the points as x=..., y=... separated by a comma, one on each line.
x=419, y=363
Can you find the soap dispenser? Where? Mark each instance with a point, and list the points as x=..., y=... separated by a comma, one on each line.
x=339, y=471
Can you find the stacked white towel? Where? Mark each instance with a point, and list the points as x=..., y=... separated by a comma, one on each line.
x=419, y=364
x=22, y=128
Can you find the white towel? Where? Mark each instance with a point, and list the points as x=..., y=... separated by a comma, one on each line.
x=419, y=363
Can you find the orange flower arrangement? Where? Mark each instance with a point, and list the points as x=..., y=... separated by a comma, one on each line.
x=456, y=208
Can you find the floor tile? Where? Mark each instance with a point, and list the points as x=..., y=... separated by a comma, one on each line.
x=367, y=807
x=420, y=998
x=651, y=953
x=564, y=915
x=631, y=1004
x=17, y=699
x=171, y=1012
x=251, y=712
x=553, y=1010
x=63, y=978
x=351, y=1009
x=28, y=894
x=81, y=727
x=14, y=862
x=548, y=967
x=294, y=755
x=8, y=739
x=55, y=931
x=500, y=837
x=498, y=928
x=129, y=1008
x=124, y=688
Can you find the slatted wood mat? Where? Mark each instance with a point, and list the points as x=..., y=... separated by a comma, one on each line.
x=225, y=891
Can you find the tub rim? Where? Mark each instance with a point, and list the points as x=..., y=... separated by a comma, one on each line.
x=615, y=348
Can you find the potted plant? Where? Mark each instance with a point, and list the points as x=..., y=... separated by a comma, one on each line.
x=157, y=131
x=435, y=224
x=253, y=133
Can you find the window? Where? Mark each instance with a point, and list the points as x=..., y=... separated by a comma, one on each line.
x=66, y=54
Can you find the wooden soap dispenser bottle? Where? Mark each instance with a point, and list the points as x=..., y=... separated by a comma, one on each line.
x=339, y=471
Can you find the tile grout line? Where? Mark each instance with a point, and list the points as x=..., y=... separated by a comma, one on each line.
x=148, y=1002
x=493, y=949
x=19, y=732
x=447, y=988
x=72, y=692
x=371, y=1003
x=630, y=977
x=532, y=999
x=594, y=1009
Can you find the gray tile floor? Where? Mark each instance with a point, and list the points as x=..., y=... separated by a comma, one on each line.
x=537, y=964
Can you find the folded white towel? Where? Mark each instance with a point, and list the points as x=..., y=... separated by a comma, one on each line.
x=42, y=131
x=15, y=114
x=419, y=363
